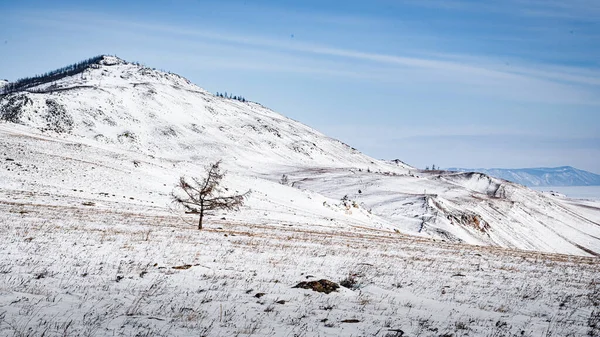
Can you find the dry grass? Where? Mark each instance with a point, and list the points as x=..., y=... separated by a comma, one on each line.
x=77, y=270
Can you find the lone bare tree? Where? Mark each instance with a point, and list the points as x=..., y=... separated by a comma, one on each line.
x=200, y=196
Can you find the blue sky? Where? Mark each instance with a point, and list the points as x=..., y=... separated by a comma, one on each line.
x=454, y=83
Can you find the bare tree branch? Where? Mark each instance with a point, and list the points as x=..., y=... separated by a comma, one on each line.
x=203, y=195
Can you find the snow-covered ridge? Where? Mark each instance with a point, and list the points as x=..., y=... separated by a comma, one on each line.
x=160, y=113
x=50, y=76
x=119, y=110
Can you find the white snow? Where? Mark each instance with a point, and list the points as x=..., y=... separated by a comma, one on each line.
x=107, y=269
x=162, y=118
x=90, y=235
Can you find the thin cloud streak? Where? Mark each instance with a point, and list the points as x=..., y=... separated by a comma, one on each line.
x=424, y=80
x=469, y=76
x=399, y=133
x=478, y=68
x=579, y=9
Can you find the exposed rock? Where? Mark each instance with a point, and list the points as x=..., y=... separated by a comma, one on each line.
x=57, y=117
x=183, y=267
x=321, y=286
x=12, y=106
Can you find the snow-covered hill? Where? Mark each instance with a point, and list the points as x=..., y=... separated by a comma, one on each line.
x=541, y=176
x=122, y=133
x=157, y=113
x=92, y=245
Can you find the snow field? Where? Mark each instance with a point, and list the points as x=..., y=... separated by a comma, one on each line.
x=76, y=271
x=92, y=245
x=138, y=129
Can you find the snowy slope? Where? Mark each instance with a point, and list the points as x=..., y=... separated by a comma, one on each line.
x=541, y=176
x=128, y=269
x=156, y=113
x=123, y=133
x=468, y=207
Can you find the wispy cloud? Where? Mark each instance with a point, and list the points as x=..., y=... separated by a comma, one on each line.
x=579, y=9
x=482, y=74
x=413, y=78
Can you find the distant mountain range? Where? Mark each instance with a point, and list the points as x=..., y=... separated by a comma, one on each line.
x=541, y=176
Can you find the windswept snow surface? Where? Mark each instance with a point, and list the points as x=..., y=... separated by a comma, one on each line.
x=115, y=113
x=70, y=269
x=90, y=237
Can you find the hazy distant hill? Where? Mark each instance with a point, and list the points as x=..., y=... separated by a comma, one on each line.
x=541, y=176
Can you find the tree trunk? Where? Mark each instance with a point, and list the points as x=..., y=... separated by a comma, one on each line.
x=201, y=216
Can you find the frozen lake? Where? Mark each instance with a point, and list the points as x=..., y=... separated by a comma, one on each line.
x=579, y=192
